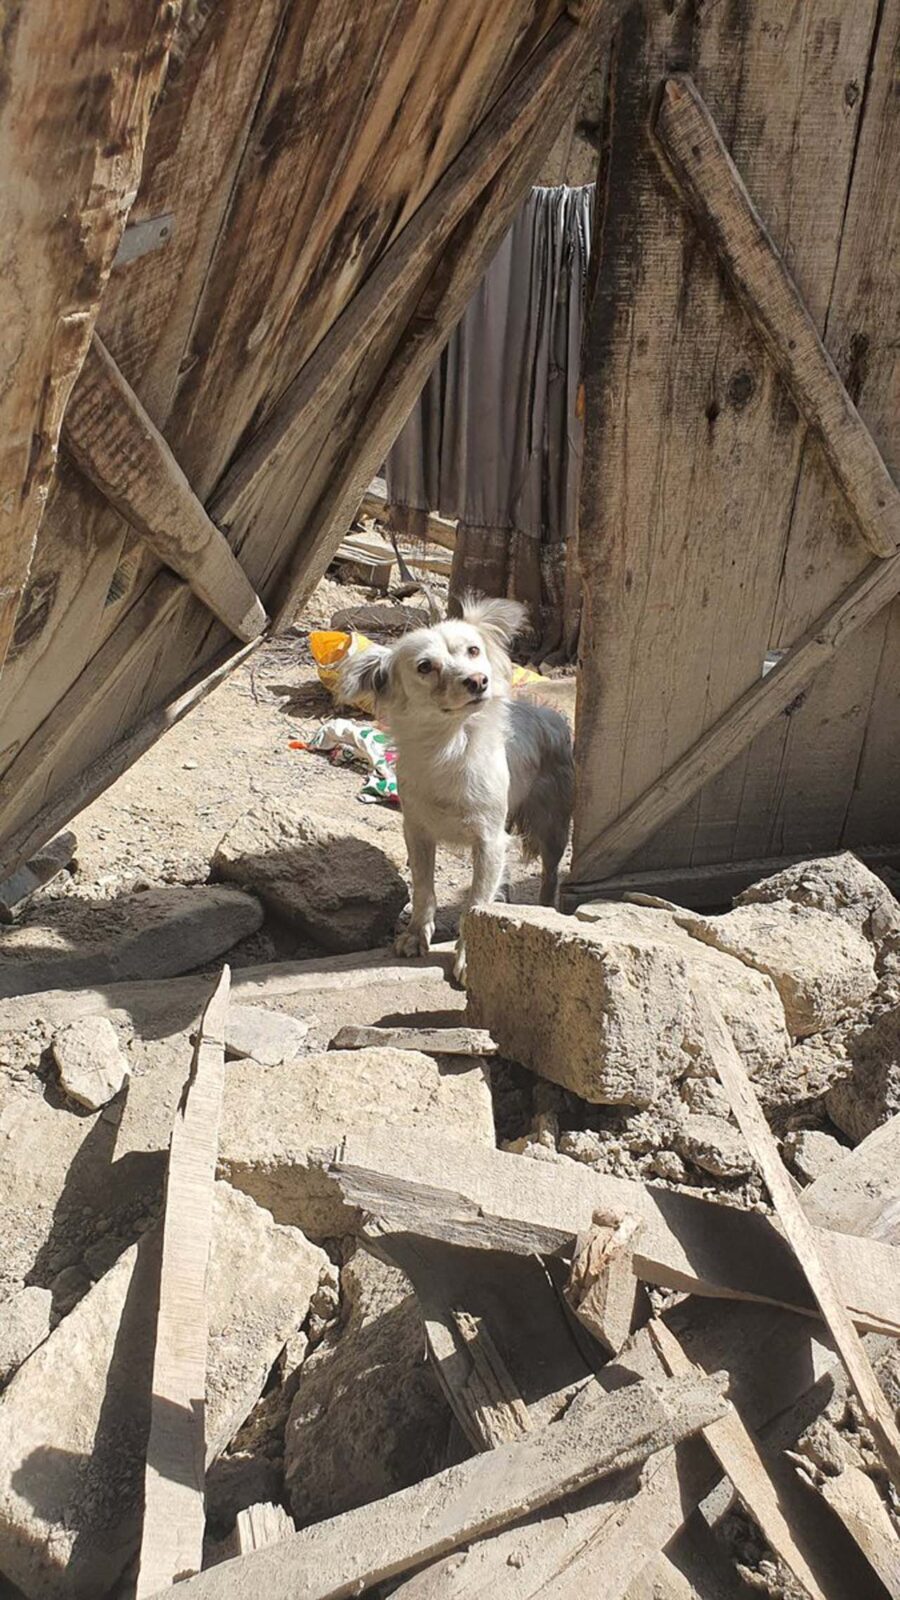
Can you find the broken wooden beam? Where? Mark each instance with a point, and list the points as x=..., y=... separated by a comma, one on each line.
x=853, y=1496
x=602, y=1286
x=112, y=439
x=41, y=869
x=714, y=192
x=174, y=1508
x=600, y=1434
x=804, y=1238
x=493, y=1200
x=260, y=1525
x=434, y=1041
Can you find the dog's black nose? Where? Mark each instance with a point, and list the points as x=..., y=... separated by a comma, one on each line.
x=477, y=683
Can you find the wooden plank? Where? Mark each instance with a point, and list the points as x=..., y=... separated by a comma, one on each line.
x=112, y=439
x=437, y=530
x=600, y=1434
x=740, y=1457
x=707, y=887
x=493, y=1200
x=602, y=1287
x=692, y=446
x=603, y=854
x=41, y=869
x=854, y=1497
x=716, y=195
x=174, y=1508
x=79, y=88
x=434, y=1041
x=485, y=1395
x=802, y=1236
x=260, y=1525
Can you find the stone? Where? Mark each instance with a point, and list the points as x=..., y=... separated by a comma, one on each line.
x=867, y=1093
x=92, y=1068
x=841, y=884
x=811, y=1153
x=274, y=1124
x=157, y=934
x=605, y=1006
x=340, y=891
x=24, y=1324
x=74, y=1419
x=713, y=1145
x=268, y=1037
x=821, y=965
x=368, y=1416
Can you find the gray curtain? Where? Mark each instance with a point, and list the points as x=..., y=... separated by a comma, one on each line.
x=494, y=439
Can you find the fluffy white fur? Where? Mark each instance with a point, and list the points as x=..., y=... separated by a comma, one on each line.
x=470, y=761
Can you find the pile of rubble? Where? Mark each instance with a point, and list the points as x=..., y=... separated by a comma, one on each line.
x=338, y=1280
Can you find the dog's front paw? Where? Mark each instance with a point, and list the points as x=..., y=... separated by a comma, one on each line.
x=459, y=964
x=414, y=941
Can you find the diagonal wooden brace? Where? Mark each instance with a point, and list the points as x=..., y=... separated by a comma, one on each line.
x=109, y=435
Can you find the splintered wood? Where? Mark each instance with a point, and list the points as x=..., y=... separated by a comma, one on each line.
x=174, y=1516
x=602, y=1285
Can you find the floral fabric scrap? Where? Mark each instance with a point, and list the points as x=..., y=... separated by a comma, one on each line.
x=347, y=742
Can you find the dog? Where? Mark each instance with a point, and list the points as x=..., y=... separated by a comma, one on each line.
x=472, y=762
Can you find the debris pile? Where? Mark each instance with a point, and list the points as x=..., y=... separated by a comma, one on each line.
x=337, y=1280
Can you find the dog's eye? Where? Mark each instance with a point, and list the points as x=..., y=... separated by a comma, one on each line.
x=424, y=667
x=473, y=650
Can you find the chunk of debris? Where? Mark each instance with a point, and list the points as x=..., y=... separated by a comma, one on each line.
x=602, y=1287
x=368, y=1410
x=380, y=616
x=273, y=1125
x=841, y=884
x=713, y=1145
x=92, y=1066
x=811, y=1153
x=867, y=1092
x=24, y=1324
x=267, y=1037
x=156, y=934
x=821, y=965
x=431, y=1041
x=74, y=1419
x=605, y=1007
x=337, y=889
x=49, y=862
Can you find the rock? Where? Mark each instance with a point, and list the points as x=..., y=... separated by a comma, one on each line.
x=868, y=1092
x=840, y=884
x=368, y=1411
x=67, y=1288
x=812, y=1153
x=74, y=1419
x=268, y=1037
x=92, y=1068
x=338, y=890
x=820, y=963
x=157, y=934
x=713, y=1145
x=605, y=1007
x=24, y=1324
x=274, y=1124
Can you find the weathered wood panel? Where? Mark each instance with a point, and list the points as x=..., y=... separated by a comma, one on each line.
x=704, y=506
x=78, y=84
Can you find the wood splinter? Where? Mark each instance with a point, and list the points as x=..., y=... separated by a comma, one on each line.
x=602, y=1285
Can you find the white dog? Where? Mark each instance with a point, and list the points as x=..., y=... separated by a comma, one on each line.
x=471, y=762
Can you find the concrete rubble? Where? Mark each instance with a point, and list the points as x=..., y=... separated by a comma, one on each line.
x=359, y=1347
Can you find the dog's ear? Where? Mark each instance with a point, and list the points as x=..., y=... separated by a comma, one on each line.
x=365, y=674
x=503, y=619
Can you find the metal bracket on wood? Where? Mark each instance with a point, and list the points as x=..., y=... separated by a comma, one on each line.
x=142, y=238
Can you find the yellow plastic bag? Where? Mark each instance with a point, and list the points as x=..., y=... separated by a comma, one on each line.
x=329, y=649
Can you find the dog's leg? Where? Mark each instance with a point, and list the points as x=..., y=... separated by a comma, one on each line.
x=488, y=867
x=416, y=939
x=550, y=860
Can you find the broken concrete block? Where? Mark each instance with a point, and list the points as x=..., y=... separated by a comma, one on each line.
x=24, y=1324
x=820, y=963
x=268, y=1037
x=157, y=934
x=92, y=1068
x=340, y=891
x=368, y=1411
x=840, y=884
x=274, y=1123
x=713, y=1145
x=606, y=1007
x=868, y=1091
x=812, y=1153
x=75, y=1417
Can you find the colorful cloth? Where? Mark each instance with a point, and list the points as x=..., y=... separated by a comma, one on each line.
x=347, y=742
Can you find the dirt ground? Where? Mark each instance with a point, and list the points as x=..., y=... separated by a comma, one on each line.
x=161, y=822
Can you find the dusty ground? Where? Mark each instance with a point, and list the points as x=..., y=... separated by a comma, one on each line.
x=161, y=822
